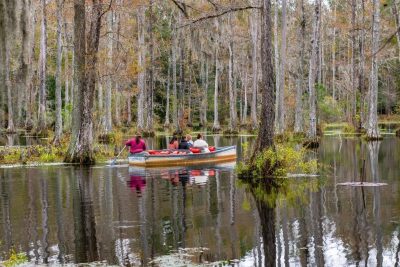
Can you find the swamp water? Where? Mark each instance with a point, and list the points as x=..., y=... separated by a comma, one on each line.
x=199, y=215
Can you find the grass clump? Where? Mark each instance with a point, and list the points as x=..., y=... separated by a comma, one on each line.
x=277, y=162
x=15, y=259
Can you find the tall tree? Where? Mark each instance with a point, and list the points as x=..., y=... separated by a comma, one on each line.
x=150, y=91
x=174, y=81
x=141, y=66
x=216, y=124
x=265, y=138
x=204, y=83
x=254, y=40
x=110, y=44
x=41, y=127
x=396, y=15
x=6, y=10
x=232, y=89
x=312, y=74
x=361, y=73
x=58, y=125
x=22, y=75
x=372, y=127
x=168, y=85
x=30, y=25
x=354, y=64
x=86, y=47
x=298, y=116
x=281, y=95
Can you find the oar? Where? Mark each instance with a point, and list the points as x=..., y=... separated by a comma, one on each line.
x=115, y=160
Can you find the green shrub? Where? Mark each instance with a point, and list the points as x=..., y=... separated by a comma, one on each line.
x=15, y=259
x=277, y=162
x=47, y=157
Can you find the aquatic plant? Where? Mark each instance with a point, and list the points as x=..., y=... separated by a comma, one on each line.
x=282, y=159
x=15, y=259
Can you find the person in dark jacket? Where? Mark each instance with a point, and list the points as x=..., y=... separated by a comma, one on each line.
x=184, y=144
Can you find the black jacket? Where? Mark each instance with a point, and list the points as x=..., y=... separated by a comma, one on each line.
x=184, y=144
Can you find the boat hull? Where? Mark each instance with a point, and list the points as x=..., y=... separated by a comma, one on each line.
x=223, y=154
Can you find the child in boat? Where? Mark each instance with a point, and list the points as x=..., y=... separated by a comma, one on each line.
x=200, y=143
x=137, y=144
x=189, y=140
x=173, y=143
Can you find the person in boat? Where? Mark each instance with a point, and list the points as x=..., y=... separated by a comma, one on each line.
x=136, y=145
x=189, y=140
x=184, y=143
x=200, y=143
x=173, y=143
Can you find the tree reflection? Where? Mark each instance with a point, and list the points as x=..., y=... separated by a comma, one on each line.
x=267, y=193
x=84, y=220
x=266, y=212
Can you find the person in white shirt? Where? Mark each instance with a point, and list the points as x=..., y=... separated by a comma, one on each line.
x=200, y=143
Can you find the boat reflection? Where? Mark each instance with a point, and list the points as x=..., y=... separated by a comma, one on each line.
x=186, y=176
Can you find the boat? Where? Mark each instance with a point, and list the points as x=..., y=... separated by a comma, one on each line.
x=164, y=158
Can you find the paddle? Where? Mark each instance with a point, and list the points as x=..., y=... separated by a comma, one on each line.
x=115, y=159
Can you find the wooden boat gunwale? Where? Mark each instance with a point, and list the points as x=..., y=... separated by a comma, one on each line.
x=217, y=150
x=146, y=160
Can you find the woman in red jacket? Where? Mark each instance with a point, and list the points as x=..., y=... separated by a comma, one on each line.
x=137, y=144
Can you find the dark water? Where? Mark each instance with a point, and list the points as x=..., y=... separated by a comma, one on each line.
x=182, y=217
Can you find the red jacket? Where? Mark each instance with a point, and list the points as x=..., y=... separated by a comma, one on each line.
x=134, y=147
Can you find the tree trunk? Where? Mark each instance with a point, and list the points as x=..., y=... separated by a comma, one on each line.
x=23, y=59
x=276, y=57
x=175, y=94
x=117, y=104
x=41, y=129
x=361, y=75
x=254, y=39
x=100, y=107
x=216, y=125
x=334, y=53
x=397, y=20
x=129, y=115
x=30, y=58
x=232, y=89
x=190, y=122
x=73, y=77
x=141, y=67
x=166, y=124
x=150, y=96
x=280, y=101
x=313, y=71
x=108, y=121
x=298, y=116
x=181, y=84
x=245, y=83
x=66, y=67
x=372, y=127
x=58, y=126
x=81, y=146
x=265, y=138
x=354, y=76
x=6, y=54
x=204, y=102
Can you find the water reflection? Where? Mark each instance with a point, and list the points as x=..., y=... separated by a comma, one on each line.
x=198, y=215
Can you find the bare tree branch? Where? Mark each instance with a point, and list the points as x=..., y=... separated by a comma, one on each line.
x=181, y=6
x=388, y=40
x=108, y=9
x=215, y=15
x=214, y=4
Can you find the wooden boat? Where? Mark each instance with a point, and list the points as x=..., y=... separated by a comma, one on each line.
x=221, y=154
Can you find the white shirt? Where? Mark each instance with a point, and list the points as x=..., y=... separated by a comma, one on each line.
x=200, y=143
